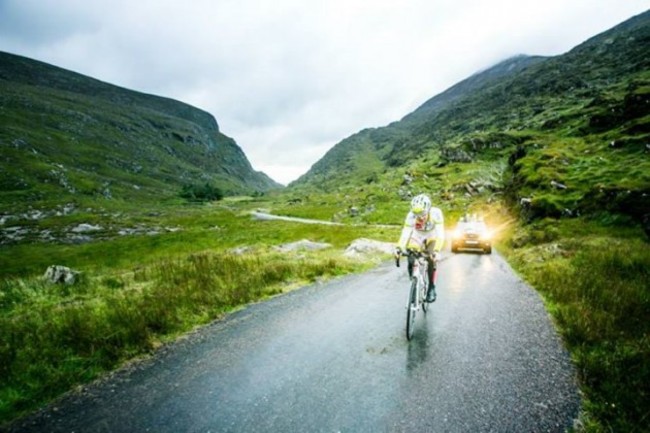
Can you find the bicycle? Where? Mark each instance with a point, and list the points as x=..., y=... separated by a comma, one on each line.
x=419, y=286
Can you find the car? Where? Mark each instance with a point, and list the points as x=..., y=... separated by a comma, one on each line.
x=471, y=234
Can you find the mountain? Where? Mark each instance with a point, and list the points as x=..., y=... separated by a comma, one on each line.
x=475, y=83
x=580, y=120
x=66, y=136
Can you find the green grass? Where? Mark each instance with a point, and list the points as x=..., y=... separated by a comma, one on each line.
x=210, y=227
x=138, y=291
x=594, y=280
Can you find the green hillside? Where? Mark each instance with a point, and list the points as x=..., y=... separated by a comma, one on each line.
x=579, y=120
x=68, y=138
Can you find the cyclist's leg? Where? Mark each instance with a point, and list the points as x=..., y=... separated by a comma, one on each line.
x=429, y=247
x=414, y=243
x=431, y=268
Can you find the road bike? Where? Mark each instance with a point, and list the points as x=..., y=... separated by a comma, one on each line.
x=418, y=289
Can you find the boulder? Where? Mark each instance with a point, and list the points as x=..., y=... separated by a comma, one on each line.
x=558, y=185
x=364, y=246
x=241, y=250
x=302, y=245
x=85, y=228
x=61, y=275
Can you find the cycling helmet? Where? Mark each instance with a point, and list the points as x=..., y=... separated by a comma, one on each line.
x=420, y=204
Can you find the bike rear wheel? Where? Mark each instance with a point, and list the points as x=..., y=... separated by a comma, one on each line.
x=411, y=309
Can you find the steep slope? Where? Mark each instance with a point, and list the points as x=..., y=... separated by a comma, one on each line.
x=477, y=82
x=367, y=153
x=580, y=120
x=66, y=136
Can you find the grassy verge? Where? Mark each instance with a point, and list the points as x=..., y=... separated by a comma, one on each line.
x=139, y=291
x=594, y=281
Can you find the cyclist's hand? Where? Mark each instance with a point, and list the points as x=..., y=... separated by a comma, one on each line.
x=436, y=256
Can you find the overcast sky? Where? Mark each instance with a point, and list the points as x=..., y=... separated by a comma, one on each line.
x=288, y=79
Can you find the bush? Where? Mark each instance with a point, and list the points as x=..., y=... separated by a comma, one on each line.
x=204, y=192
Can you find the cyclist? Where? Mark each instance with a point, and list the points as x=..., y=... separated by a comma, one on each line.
x=424, y=229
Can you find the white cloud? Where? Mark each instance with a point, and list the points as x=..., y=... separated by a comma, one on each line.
x=288, y=79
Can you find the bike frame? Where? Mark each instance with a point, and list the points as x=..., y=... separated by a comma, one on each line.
x=420, y=266
x=418, y=288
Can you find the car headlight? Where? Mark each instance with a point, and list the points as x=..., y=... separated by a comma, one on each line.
x=486, y=236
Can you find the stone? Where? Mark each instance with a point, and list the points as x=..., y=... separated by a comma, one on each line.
x=60, y=275
x=558, y=185
x=303, y=244
x=364, y=246
x=85, y=228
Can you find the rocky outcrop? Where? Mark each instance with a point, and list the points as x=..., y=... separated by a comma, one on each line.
x=61, y=275
x=364, y=247
x=302, y=245
x=455, y=154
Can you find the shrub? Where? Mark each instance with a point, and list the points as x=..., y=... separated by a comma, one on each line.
x=205, y=192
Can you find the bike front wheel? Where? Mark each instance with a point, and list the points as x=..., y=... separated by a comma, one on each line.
x=423, y=298
x=411, y=309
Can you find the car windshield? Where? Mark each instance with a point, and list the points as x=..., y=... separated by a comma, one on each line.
x=475, y=227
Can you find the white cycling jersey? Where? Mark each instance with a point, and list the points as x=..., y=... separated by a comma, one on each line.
x=417, y=231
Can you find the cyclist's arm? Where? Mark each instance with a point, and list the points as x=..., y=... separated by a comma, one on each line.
x=438, y=219
x=407, y=231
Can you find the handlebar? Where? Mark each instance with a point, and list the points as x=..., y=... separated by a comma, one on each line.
x=409, y=252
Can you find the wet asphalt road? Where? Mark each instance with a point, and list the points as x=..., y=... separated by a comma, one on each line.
x=333, y=357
